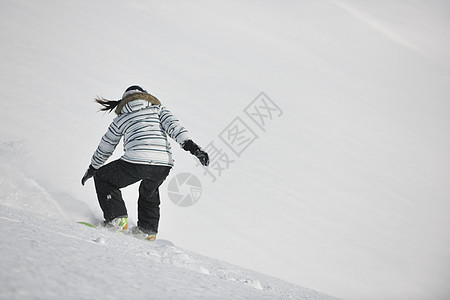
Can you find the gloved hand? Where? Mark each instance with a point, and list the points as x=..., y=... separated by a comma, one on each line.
x=202, y=156
x=89, y=173
x=192, y=147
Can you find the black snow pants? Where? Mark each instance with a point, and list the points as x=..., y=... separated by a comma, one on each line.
x=118, y=174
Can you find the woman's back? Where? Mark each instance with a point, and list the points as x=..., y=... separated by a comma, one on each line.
x=143, y=126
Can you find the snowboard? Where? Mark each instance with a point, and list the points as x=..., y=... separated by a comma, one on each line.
x=88, y=224
x=140, y=236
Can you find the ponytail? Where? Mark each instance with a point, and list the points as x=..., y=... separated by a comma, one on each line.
x=107, y=104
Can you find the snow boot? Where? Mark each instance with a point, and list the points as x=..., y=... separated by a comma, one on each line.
x=118, y=224
x=148, y=235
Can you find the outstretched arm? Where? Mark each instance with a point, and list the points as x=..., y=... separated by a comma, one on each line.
x=173, y=128
x=107, y=146
x=104, y=150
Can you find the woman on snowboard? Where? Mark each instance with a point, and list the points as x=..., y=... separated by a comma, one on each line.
x=144, y=123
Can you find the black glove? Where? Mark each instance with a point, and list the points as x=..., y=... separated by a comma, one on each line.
x=89, y=173
x=192, y=147
x=202, y=156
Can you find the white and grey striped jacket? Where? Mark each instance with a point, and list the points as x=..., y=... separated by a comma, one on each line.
x=145, y=128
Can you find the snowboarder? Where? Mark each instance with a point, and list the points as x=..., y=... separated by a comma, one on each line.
x=144, y=123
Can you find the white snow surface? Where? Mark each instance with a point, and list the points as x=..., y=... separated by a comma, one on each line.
x=43, y=258
x=345, y=192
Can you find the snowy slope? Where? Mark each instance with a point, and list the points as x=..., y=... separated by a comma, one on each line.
x=45, y=255
x=345, y=192
x=63, y=260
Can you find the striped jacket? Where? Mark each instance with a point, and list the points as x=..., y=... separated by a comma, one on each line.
x=145, y=128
